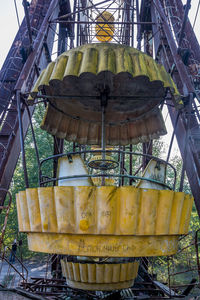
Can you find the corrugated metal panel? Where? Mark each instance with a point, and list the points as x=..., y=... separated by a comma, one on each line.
x=104, y=210
x=99, y=276
x=83, y=73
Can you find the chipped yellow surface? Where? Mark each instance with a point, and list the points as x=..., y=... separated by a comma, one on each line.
x=32, y=202
x=98, y=276
x=95, y=58
x=104, y=210
x=103, y=221
x=100, y=286
x=103, y=245
x=98, y=180
x=81, y=72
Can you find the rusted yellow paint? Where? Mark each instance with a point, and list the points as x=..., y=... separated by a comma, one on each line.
x=21, y=220
x=59, y=69
x=164, y=207
x=47, y=209
x=100, y=286
x=32, y=202
x=106, y=201
x=103, y=221
x=176, y=213
x=103, y=245
x=98, y=180
x=104, y=210
x=186, y=212
x=98, y=276
x=95, y=58
x=148, y=209
x=85, y=209
x=129, y=202
x=88, y=66
x=64, y=209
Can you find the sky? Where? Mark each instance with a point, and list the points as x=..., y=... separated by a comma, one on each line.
x=9, y=27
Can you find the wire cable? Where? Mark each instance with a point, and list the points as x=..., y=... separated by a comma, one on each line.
x=16, y=10
x=196, y=15
x=17, y=15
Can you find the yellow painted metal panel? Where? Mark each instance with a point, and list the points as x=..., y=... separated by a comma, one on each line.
x=76, y=271
x=105, y=210
x=123, y=272
x=70, y=271
x=47, y=75
x=99, y=273
x=116, y=273
x=108, y=274
x=147, y=212
x=85, y=209
x=34, y=90
x=164, y=211
x=33, y=209
x=106, y=201
x=73, y=65
x=59, y=69
x=186, y=213
x=103, y=245
x=129, y=202
x=22, y=201
x=106, y=60
x=100, y=286
x=64, y=204
x=83, y=272
x=19, y=216
x=176, y=213
x=64, y=267
x=91, y=273
x=47, y=209
x=90, y=61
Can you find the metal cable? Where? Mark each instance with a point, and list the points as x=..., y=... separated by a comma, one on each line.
x=196, y=15
x=16, y=10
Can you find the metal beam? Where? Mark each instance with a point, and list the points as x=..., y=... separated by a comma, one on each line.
x=24, y=82
x=168, y=54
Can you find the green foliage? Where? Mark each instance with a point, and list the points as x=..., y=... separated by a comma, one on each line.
x=45, y=142
x=7, y=280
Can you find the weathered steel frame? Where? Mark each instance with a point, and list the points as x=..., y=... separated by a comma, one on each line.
x=165, y=40
x=26, y=77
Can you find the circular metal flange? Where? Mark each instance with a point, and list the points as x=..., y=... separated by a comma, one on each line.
x=103, y=164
